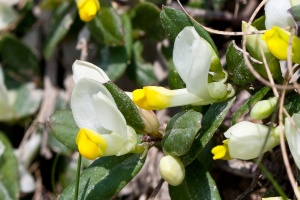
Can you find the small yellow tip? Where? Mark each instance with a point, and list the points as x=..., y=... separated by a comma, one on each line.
x=88, y=9
x=221, y=151
x=151, y=98
x=91, y=144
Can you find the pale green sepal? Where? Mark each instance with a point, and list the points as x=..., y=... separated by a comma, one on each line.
x=263, y=109
x=217, y=90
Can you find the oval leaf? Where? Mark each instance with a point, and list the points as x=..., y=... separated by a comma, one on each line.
x=210, y=123
x=105, y=177
x=9, y=179
x=64, y=128
x=173, y=21
x=107, y=27
x=198, y=184
x=181, y=132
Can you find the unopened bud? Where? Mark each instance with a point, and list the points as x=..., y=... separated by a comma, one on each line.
x=172, y=170
x=263, y=109
x=150, y=120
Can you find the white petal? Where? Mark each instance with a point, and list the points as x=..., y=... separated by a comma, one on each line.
x=245, y=128
x=192, y=58
x=82, y=69
x=82, y=104
x=292, y=134
x=115, y=143
x=277, y=14
x=108, y=114
x=130, y=142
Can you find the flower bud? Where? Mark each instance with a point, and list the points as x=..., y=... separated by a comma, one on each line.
x=150, y=120
x=245, y=141
x=172, y=170
x=263, y=109
x=87, y=9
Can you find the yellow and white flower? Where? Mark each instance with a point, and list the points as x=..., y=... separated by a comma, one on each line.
x=292, y=134
x=103, y=129
x=245, y=141
x=193, y=58
x=87, y=9
x=277, y=40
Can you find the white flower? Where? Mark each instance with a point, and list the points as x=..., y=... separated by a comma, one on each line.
x=245, y=141
x=172, y=170
x=277, y=14
x=292, y=134
x=193, y=57
x=103, y=129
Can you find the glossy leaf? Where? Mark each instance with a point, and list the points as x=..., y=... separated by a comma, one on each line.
x=114, y=59
x=59, y=26
x=9, y=179
x=142, y=14
x=292, y=104
x=105, y=177
x=23, y=69
x=64, y=128
x=198, y=184
x=107, y=26
x=247, y=105
x=180, y=132
x=237, y=66
x=210, y=123
x=126, y=107
x=139, y=71
x=173, y=21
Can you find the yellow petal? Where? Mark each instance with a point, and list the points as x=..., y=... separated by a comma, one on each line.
x=277, y=40
x=221, y=151
x=90, y=144
x=151, y=98
x=88, y=9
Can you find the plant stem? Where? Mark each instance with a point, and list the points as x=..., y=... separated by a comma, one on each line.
x=77, y=177
x=273, y=181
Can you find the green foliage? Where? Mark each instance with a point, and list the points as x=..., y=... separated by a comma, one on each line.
x=9, y=179
x=181, y=132
x=60, y=24
x=198, y=184
x=127, y=107
x=212, y=119
x=64, y=128
x=249, y=103
x=105, y=177
x=107, y=26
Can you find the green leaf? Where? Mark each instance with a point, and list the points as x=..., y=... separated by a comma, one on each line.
x=9, y=179
x=198, y=184
x=64, y=128
x=259, y=23
x=139, y=71
x=181, y=132
x=237, y=66
x=126, y=107
x=173, y=21
x=107, y=26
x=292, y=104
x=113, y=59
x=59, y=26
x=210, y=123
x=247, y=105
x=174, y=80
x=142, y=14
x=27, y=100
x=105, y=177
x=23, y=69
